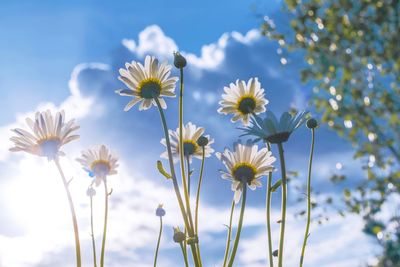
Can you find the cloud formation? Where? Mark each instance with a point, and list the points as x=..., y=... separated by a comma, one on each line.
x=138, y=189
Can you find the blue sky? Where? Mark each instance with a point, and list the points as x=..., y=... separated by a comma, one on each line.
x=52, y=36
x=67, y=55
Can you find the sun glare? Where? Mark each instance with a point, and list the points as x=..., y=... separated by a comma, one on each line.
x=38, y=205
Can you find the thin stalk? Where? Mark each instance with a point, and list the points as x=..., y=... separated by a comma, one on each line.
x=268, y=211
x=188, y=182
x=181, y=147
x=228, y=238
x=188, y=173
x=307, y=233
x=103, y=243
x=175, y=182
x=181, y=154
x=171, y=164
x=185, y=258
x=185, y=242
x=73, y=214
x=283, y=209
x=92, y=232
x=236, y=244
x=196, y=212
x=185, y=182
x=196, y=217
x=158, y=242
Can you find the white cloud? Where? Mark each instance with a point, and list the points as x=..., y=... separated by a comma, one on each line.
x=73, y=81
x=152, y=40
x=75, y=105
x=132, y=224
x=212, y=55
x=339, y=242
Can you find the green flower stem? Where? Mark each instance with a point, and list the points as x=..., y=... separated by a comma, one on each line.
x=158, y=242
x=175, y=182
x=103, y=242
x=73, y=214
x=239, y=229
x=92, y=232
x=185, y=183
x=268, y=211
x=307, y=233
x=185, y=241
x=283, y=209
x=181, y=158
x=196, y=212
x=228, y=238
x=185, y=258
x=171, y=164
x=181, y=154
x=188, y=183
x=196, y=217
x=188, y=173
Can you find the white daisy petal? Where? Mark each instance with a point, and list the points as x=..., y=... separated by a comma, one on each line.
x=48, y=134
x=245, y=164
x=100, y=162
x=243, y=99
x=191, y=133
x=237, y=196
x=132, y=103
x=145, y=82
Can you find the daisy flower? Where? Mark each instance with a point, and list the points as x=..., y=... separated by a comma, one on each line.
x=272, y=130
x=242, y=100
x=99, y=163
x=47, y=135
x=245, y=165
x=191, y=146
x=145, y=83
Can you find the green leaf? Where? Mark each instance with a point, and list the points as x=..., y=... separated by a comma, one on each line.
x=275, y=186
x=161, y=169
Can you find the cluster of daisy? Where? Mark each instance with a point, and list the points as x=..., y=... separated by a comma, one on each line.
x=246, y=164
x=46, y=135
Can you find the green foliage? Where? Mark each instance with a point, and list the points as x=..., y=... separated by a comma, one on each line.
x=352, y=51
x=390, y=240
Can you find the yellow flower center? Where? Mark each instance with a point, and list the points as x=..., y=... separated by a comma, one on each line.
x=189, y=147
x=100, y=167
x=244, y=172
x=149, y=88
x=246, y=104
x=49, y=146
x=48, y=139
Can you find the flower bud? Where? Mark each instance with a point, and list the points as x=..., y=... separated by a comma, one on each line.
x=160, y=212
x=178, y=235
x=179, y=60
x=202, y=141
x=90, y=192
x=312, y=123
